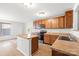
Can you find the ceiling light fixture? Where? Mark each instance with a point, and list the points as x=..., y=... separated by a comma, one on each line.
x=42, y=14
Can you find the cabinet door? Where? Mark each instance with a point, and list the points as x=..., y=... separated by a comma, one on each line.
x=54, y=23
x=69, y=19
x=40, y=22
x=53, y=38
x=47, y=39
x=34, y=44
x=48, y=24
x=59, y=53
x=61, y=22
x=43, y=21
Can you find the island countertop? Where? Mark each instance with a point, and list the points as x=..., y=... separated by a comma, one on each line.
x=67, y=47
x=25, y=36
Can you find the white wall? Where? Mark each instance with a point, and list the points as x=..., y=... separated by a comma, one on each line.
x=75, y=31
x=16, y=29
x=75, y=17
x=29, y=25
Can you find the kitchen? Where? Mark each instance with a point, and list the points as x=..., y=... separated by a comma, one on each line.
x=41, y=29
x=58, y=32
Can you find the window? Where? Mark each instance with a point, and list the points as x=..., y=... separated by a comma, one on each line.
x=5, y=29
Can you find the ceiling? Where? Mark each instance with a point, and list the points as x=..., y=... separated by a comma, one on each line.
x=20, y=12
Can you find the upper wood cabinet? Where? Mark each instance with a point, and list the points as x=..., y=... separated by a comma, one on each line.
x=48, y=24
x=42, y=21
x=61, y=22
x=69, y=19
x=54, y=23
x=39, y=21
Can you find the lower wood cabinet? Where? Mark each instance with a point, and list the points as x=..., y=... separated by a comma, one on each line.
x=53, y=38
x=50, y=39
x=34, y=44
x=59, y=53
x=47, y=38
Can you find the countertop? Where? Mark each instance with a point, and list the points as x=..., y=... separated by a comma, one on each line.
x=68, y=47
x=26, y=37
x=50, y=33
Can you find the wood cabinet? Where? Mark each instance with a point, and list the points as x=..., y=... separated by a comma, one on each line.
x=42, y=21
x=53, y=38
x=34, y=44
x=54, y=23
x=48, y=24
x=59, y=53
x=38, y=22
x=61, y=22
x=47, y=38
x=69, y=19
x=50, y=39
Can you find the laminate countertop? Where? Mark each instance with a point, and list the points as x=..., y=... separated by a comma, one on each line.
x=68, y=47
x=25, y=36
x=57, y=33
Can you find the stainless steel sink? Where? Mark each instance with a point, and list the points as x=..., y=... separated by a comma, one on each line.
x=67, y=38
x=64, y=38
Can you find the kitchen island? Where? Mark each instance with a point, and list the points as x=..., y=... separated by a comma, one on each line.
x=27, y=45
